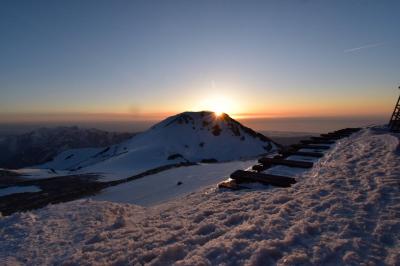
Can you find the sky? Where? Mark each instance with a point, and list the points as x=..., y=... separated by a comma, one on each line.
x=122, y=60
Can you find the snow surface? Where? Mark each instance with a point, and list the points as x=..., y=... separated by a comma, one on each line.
x=345, y=211
x=36, y=173
x=72, y=158
x=164, y=186
x=189, y=136
x=18, y=189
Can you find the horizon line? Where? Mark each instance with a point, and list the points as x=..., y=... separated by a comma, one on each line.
x=85, y=117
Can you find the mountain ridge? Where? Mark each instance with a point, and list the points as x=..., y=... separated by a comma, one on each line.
x=185, y=137
x=41, y=145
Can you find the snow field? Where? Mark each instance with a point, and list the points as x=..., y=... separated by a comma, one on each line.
x=163, y=186
x=345, y=211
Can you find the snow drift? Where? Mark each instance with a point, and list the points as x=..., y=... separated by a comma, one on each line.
x=345, y=211
x=189, y=136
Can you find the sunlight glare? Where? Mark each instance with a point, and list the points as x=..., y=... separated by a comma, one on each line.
x=217, y=104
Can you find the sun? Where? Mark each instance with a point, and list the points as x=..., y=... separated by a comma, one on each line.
x=218, y=111
x=217, y=104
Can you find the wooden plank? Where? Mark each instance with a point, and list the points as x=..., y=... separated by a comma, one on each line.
x=274, y=180
x=323, y=139
x=348, y=130
x=317, y=142
x=307, y=154
x=310, y=146
x=342, y=134
x=332, y=136
x=290, y=163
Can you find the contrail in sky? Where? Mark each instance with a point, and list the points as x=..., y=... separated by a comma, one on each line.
x=364, y=47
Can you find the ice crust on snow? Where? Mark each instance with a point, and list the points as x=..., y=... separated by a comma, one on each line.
x=345, y=211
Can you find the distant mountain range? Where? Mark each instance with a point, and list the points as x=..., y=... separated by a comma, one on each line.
x=186, y=137
x=41, y=145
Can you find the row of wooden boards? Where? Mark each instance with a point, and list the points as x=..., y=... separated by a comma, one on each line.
x=256, y=174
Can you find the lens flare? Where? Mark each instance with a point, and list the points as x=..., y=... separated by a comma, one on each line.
x=218, y=105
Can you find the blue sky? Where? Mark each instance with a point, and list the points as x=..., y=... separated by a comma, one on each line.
x=283, y=58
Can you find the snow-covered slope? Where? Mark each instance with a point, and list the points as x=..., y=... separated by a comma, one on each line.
x=345, y=211
x=189, y=136
x=170, y=184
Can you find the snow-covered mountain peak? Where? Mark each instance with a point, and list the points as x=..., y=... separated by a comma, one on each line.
x=194, y=119
x=217, y=125
x=185, y=137
x=202, y=119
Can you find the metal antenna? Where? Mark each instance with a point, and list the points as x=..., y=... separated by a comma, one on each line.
x=394, y=123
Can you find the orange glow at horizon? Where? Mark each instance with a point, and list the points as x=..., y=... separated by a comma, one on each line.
x=236, y=103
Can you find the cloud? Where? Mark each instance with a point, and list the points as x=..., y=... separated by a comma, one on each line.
x=372, y=45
